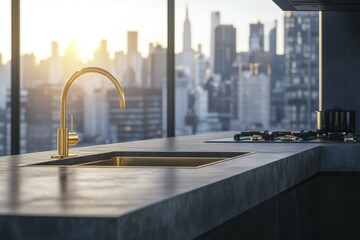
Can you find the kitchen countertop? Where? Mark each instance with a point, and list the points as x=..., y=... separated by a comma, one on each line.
x=133, y=203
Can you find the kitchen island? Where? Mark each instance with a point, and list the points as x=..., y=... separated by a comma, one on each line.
x=170, y=203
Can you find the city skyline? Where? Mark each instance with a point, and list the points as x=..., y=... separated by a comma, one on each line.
x=88, y=39
x=208, y=97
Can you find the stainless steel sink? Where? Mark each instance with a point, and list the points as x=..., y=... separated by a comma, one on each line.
x=146, y=160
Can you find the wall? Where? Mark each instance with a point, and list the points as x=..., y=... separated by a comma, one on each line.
x=341, y=61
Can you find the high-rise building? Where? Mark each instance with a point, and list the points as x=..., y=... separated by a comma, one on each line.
x=157, y=66
x=185, y=59
x=142, y=118
x=225, y=50
x=200, y=68
x=256, y=38
x=254, y=98
x=273, y=40
x=181, y=100
x=301, y=68
x=55, y=65
x=133, y=74
x=277, y=84
x=132, y=42
x=29, y=78
x=101, y=56
x=42, y=115
x=215, y=22
x=187, y=33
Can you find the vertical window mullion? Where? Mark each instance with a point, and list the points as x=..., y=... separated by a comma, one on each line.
x=171, y=70
x=15, y=77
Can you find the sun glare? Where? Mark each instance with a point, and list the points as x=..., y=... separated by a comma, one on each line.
x=89, y=22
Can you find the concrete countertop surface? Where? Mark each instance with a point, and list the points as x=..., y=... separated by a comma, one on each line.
x=132, y=203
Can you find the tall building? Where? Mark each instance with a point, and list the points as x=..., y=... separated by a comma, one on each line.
x=132, y=42
x=215, y=22
x=225, y=50
x=185, y=59
x=187, y=33
x=254, y=98
x=119, y=64
x=256, y=38
x=200, y=68
x=101, y=56
x=157, y=66
x=42, y=115
x=301, y=68
x=29, y=78
x=277, y=84
x=133, y=74
x=142, y=118
x=55, y=65
x=273, y=40
x=181, y=100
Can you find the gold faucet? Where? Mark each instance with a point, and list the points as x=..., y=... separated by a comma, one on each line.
x=64, y=137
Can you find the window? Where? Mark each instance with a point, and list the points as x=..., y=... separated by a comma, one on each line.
x=240, y=66
x=60, y=37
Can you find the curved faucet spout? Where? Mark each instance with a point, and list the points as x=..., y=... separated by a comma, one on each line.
x=78, y=74
x=64, y=138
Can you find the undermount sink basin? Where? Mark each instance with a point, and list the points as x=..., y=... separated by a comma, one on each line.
x=146, y=160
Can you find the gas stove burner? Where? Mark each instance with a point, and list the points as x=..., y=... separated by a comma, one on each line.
x=296, y=136
x=289, y=138
x=256, y=138
x=280, y=133
x=336, y=136
x=305, y=135
x=265, y=135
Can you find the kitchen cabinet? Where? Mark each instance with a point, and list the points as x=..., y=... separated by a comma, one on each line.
x=290, y=215
x=339, y=206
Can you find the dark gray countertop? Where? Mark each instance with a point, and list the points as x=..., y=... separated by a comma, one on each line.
x=118, y=203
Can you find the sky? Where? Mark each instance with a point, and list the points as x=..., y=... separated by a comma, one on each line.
x=90, y=21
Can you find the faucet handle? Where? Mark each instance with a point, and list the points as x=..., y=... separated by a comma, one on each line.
x=73, y=138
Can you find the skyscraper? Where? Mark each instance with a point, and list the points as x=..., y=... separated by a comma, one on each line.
x=133, y=74
x=200, y=67
x=256, y=38
x=55, y=65
x=225, y=50
x=277, y=85
x=254, y=98
x=301, y=68
x=143, y=118
x=157, y=66
x=273, y=40
x=132, y=42
x=187, y=33
x=185, y=59
x=215, y=21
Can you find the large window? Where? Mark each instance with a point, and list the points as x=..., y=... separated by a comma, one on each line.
x=5, y=46
x=239, y=66
x=245, y=65
x=60, y=37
